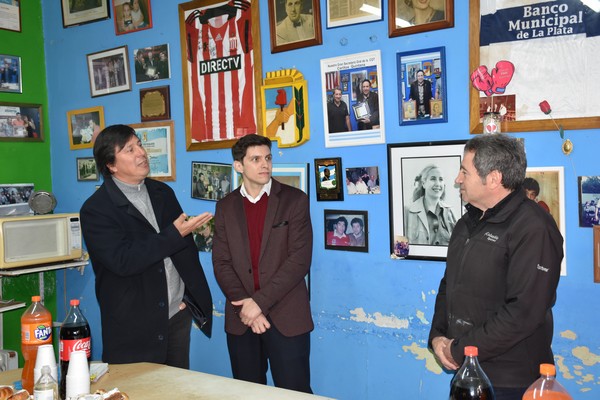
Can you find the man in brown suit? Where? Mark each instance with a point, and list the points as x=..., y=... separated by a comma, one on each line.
x=262, y=251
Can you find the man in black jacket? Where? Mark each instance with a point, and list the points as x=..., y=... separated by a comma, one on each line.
x=502, y=271
x=148, y=276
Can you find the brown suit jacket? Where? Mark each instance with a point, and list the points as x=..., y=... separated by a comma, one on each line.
x=286, y=252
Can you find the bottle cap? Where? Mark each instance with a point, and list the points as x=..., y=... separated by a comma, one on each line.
x=36, y=298
x=547, y=369
x=471, y=351
x=74, y=302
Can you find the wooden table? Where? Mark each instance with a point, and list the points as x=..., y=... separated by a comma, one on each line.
x=142, y=381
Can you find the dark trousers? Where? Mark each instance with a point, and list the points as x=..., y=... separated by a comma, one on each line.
x=288, y=358
x=178, y=348
x=509, y=393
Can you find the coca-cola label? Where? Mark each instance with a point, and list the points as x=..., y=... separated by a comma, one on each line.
x=67, y=346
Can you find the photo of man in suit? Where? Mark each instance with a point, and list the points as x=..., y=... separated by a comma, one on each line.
x=296, y=25
x=262, y=249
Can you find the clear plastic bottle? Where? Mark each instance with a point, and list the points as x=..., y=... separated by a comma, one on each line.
x=74, y=335
x=470, y=382
x=46, y=387
x=36, y=330
x=546, y=387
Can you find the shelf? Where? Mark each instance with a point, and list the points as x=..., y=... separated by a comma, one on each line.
x=78, y=263
x=7, y=305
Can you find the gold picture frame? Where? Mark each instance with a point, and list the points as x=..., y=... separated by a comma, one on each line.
x=83, y=126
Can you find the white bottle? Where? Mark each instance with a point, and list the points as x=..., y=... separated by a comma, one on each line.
x=46, y=387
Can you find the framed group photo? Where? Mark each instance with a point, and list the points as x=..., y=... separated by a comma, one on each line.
x=10, y=74
x=422, y=86
x=211, y=181
x=84, y=125
x=406, y=17
x=294, y=24
x=421, y=176
x=83, y=12
x=346, y=230
x=87, y=169
x=131, y=15
x=21, y=122
x=152, y=63
x=362, y=180
x=340, y=13
x=329, y=178
x=108, y=71
x=158, y=138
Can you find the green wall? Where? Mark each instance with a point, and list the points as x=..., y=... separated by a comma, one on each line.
x=22, y=162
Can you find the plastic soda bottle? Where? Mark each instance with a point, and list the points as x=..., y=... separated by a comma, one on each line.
x=546, y=387
x=46, y=387
x=36, y=330
x=74, y=335
x=470, y=382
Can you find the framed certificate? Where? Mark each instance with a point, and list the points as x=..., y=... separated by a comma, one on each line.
x=361, y=110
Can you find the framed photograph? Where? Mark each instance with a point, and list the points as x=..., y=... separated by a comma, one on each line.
x=362, y=180
x=589, y=200
x=17, y=198
x=211, y=181
x=422, y=86
x=294, y=24
x=203, y=236
x=346, y=230
x=216, y=116
x=83, y=12
x=21, y=122
x=406, y=17
x=546, y=186
x=87, y=169
x=108, y=71
x=132, y=16
x=158, y=138
x=352, y=90
x=84, y=125
x=597, y=254
x=341, y=13
x=10, y=15
x=328, y=173
x=155, y=103
x=295, y=175
x=421, y=173
x=498, y=30
x=10, y=73
x=152, y=63
x=285, y=108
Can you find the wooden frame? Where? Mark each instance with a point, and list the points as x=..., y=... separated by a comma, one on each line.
x=155, y=103
x=329, y=178
x=87, y=170
x=10, y=16
x=284, y=36
x=347, y=241
x=527, y=81
x=432, y=63
x=348, y=73
x=15, y=81
x=108, y=71
x=128, y=24
x=401, y=17
x=207, y=180
x=83, y=126
x=83, y=15
x=158, y=138
x=339, y=13
x=406, y=163
x=14, y=127
x=199, y=131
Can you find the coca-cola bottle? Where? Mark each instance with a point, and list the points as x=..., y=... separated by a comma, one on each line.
x=470, y=382
x=74, y=335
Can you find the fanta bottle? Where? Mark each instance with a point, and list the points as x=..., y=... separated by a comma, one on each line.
x=36, y=330
x=546, y=387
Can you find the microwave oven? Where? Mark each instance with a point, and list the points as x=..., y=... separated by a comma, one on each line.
x=39, y=239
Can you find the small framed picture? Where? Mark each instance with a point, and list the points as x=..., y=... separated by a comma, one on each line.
x=10, y=73
x=131, y=16
x=295, y=175
x=422, y=86
x=203, y=236
x=87, y=169
x=21, y=122
x=411, y=16
x=155, y=103
x=10, y=15
x=108, y=71
x=152, y=63
x=342, y=13
x=362, y=180
x=294, y=24
x=211, y=181
x=328, y=172
x=597, y=254
x=158, y=138
x=83, y=12
x=84, y=125
x=346, y=230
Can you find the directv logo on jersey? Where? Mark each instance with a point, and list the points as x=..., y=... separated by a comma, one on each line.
x=224, y=64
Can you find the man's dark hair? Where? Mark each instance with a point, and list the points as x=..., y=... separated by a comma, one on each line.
x=502, y=153
x=240, y=147
x=355, y=220
x=342, y=219
x=110, y=141
x=533, y=185
x=366, y=80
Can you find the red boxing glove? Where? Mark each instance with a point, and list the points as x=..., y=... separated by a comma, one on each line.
x=502, y=75
x=482, y=80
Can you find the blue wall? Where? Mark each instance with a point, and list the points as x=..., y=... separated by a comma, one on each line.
x=372, y=314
